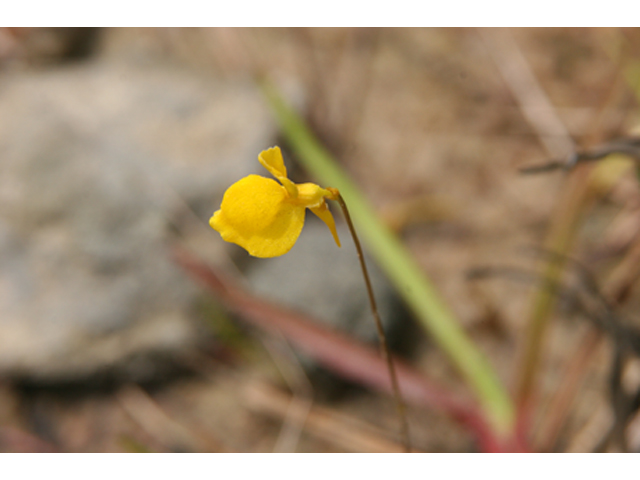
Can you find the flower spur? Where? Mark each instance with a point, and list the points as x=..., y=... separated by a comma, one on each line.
x=266, y=217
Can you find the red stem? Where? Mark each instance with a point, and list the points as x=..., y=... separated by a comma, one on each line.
x=346, y=357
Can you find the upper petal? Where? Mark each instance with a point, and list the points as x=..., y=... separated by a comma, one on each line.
x=272, y=160
x=257, y=214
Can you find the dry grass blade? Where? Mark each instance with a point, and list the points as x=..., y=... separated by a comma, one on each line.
x=172, y=435
x=616, y=290
x=599, y=308
x=533, y=101
x=560, y=407
x=339, y=429
x=302, y=400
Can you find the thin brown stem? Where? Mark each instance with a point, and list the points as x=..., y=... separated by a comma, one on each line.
x=382, y=338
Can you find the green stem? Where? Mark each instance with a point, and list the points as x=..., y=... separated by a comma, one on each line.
x=401, y=268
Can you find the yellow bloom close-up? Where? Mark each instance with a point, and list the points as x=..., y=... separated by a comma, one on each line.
x=266, y=217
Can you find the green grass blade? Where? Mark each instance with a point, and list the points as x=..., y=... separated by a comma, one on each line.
x=401, y=268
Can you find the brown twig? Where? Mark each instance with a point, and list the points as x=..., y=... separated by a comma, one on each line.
x=629, y=146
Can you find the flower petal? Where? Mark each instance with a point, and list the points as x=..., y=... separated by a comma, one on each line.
x=324, y=214
x=272, y=160
x=311, y=195
x=257, y=214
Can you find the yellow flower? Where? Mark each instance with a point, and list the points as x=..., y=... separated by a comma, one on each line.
x=266, y=217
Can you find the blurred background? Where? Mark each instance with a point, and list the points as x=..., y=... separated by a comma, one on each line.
x=116, y=145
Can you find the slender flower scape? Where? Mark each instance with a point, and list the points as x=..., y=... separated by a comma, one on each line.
x=266, y=217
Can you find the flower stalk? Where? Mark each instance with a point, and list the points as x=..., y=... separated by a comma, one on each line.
x=382, y=339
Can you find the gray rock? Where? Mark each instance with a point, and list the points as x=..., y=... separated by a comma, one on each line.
x=95, y=161
x=325, y=282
